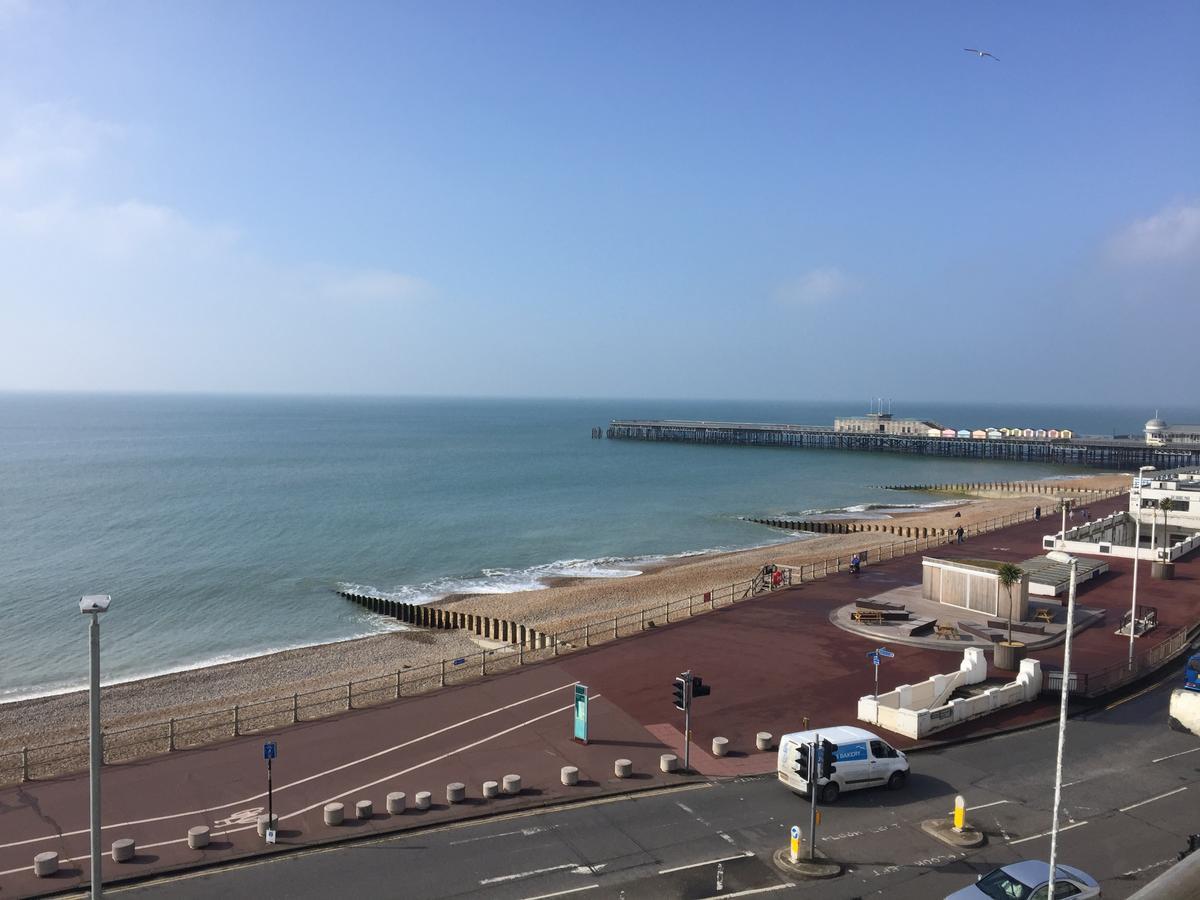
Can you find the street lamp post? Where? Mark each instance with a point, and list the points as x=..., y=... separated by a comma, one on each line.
x=1062, y=713
x=93, y=605
x=1137, y=558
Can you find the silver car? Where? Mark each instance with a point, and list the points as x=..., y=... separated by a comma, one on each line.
x=1030, y=880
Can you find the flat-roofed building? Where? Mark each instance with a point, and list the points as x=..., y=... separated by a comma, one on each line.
x=884, y=423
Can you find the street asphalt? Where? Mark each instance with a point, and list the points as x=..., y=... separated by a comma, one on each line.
x=1131, y=796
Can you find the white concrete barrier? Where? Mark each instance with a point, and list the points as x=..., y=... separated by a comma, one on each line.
x=456, y=792
x=364, y=809
x=198, y=837
x=490, y=789
x=668, y=762
x=123, y=850
x=263, y=824
x=623, y=768
x=424, y=799
x=512, y=784
x=569, y=775
x=720, y=746
x=395, y=802
x=45, y=864
x=764, y=740
x=335, y=813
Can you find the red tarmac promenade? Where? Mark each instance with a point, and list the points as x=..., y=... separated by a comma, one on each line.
x=771, y=662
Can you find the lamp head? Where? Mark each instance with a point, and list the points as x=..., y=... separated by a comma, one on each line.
x=94, y=603
x=1147, y=469
x=1060, y=557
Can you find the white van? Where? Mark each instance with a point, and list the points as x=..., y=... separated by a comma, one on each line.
x=862, y=760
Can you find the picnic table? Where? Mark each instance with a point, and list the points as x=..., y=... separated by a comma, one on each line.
x=868, y=616
x=1044, y=615
x=946, y=631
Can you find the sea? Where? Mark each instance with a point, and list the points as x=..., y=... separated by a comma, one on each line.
x=222, y=525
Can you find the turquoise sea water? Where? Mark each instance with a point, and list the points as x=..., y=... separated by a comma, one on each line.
x=220, y=525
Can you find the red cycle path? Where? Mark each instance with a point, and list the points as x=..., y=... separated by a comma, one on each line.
x=771, y=662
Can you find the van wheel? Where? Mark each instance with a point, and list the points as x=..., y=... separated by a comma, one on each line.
x=829, y=792
x=897, y=780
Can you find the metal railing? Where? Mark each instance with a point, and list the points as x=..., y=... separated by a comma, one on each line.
x=260, y=716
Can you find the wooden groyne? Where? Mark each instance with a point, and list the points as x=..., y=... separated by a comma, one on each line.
x=839, y=527
x=424, y=616
x=1002, y=487
x=1095, y=452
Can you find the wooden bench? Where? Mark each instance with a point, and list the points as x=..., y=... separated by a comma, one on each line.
x=867, y=616
x=946, y=631
x=1044, y=615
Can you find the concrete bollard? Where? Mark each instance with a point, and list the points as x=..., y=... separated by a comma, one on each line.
x=764, y=740
x=456, y=792
x=512, y=784
x=570, y=775
x=395, y=802
x=45, y=864
x=623, y=768
x=123, y=850
x=720, y=746
x=334, y=813
x=668, y=762
x=424, y=799
x=490, y=789
x=263, y=824
x=364, y=809
x=198, y=837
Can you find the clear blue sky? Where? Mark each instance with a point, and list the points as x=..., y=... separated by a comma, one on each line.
x=757, y=200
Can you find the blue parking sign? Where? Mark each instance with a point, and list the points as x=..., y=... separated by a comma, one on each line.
x=269, y=750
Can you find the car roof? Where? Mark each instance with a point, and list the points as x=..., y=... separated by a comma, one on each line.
x=839, y=734
x=1034, y=872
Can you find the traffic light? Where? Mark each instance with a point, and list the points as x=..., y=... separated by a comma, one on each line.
x=681, y=692
x=828, y=751
x=699, y=688
x=802, y=761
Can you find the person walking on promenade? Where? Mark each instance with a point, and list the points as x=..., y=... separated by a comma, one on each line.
x=1037, y=514
x=959, y=534
x=855, y=563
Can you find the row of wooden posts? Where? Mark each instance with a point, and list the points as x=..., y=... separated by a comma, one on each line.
x=908, y=531
x=1023, y=487
x=436, y=617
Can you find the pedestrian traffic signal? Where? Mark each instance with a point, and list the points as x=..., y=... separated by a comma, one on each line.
x=802, y=761
x=681, y=692
x=827, y=758
x=699, y=688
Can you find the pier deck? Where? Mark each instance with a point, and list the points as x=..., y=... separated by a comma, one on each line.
x=1108, y=453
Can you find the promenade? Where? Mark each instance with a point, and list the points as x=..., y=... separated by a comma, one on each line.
x=770, y=661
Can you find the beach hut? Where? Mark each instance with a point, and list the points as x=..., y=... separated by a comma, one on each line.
x=963, y=433
x=1039, y=433
x=933, y=432
x=979, y=434
x=1066, y=433
x=994, y=434
x=949, y=432
x=1054, y=434
x=1027, y=432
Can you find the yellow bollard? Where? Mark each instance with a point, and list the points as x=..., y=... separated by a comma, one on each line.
x=960, y=813
x=795, y=843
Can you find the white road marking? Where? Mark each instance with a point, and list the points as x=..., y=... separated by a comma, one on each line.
x=747, y=893
x=500, y=879
x=1173, y=755
x=247, y=800
x=983, y=805
x=1034, y=837
x=708, y=862
x=586, y=887
x=1151, y=800
x=687, y=809
x=313, y=806
x=1141, y=869
x=726, y=838
x=487, y=837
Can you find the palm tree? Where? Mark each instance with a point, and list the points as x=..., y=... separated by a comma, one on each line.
x=1008, y=574
x=1166, y=506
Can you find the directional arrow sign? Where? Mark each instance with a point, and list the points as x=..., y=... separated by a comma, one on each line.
x=883, y=651
x=875, y=659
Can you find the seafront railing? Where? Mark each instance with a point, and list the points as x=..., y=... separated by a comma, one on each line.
x=140, y=740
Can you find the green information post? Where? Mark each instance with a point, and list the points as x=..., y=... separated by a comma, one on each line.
x=581, y=709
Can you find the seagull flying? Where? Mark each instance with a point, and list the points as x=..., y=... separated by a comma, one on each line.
x=981, y=53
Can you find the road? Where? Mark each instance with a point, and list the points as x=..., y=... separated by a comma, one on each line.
x=1131, y=792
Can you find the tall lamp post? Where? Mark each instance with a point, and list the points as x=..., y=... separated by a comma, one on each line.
x=1059, y=556
x=1137, y=558
x=93, y=605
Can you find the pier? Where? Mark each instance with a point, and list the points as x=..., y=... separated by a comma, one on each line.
x=1098, y=452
